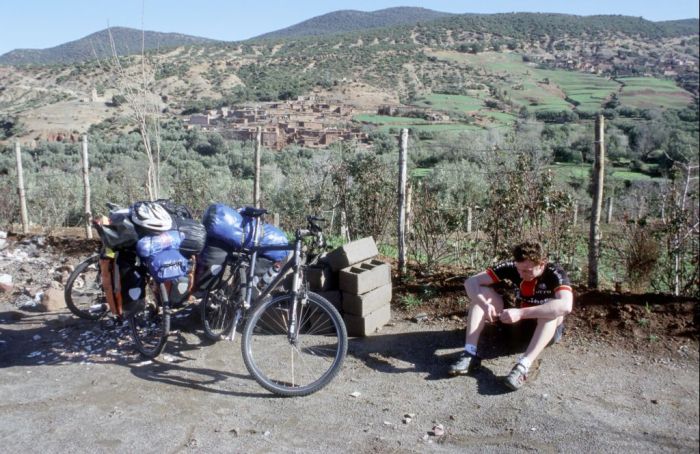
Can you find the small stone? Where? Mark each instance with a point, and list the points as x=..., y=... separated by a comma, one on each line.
x=420, y=317
x=654, y=401
x=438, y=430
x=52, y=300
x=355, y=394
x=36, y=337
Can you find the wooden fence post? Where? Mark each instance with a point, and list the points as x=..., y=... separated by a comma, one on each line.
x=256, y=183
x=20, y=190
x=86, y=189
x=598, y=181
x=403, y=152
x=469, y=219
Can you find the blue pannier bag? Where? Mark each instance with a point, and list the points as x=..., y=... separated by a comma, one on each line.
x=168, y=265
x=273, y=236
x=227, y=225
x=153, y=244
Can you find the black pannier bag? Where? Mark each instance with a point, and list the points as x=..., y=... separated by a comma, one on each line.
x=210, y=266
x=132, y=277
x=194, y=236
x=180, y=211
x=119, y=233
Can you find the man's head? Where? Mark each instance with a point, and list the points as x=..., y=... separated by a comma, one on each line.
x=530, y=259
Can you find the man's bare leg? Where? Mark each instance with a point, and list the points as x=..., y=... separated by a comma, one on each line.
x=477, y=317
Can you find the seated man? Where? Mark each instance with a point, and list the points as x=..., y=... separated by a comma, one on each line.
x=544, y=295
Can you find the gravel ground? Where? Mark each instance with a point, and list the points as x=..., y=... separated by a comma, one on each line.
x=69, y=385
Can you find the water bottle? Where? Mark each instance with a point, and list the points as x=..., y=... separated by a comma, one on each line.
x=270, y=274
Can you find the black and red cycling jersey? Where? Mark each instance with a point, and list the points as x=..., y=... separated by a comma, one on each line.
x=537, y=291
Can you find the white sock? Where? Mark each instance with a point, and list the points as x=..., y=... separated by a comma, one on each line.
x=470, y=348
x=525, y=362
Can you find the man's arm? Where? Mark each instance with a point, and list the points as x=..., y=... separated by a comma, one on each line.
x=561, y=305
x=474, y=287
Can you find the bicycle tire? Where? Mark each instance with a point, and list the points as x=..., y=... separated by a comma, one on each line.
x=270, y=356
x=150, y=326
x=84, y=294
x=218, y=312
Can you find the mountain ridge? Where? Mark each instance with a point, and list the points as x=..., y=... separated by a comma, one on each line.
x=127, y=41
x=513, y=25
x=344, y=21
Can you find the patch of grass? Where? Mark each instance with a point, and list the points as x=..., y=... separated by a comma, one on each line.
x=451, y=103
x=646, y=92
x=388, y=120
x=588, y=90
x=421, y=172
x=410, y=301
x=388, y=250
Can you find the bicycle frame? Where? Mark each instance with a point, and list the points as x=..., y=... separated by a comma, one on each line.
x=294, y=263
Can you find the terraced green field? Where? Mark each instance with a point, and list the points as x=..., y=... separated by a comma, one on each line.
x=523, y=84
x=388, y=120
x=564, y=171
x=588, y=90
x=451, y=103
x=646, y=92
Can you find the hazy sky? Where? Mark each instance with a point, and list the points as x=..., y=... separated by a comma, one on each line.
x=40, y=24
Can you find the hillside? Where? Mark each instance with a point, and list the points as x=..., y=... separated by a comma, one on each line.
x=127, y=41
x=481, y=70
x=350, y=21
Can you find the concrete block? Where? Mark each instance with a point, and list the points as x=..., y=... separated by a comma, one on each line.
x=334, y=297
x=367, y=302
x=320, y=278
x=352, y=253
x=364, y=326
x=365, y=276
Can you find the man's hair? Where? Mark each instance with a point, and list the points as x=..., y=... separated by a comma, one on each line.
x=529, y=250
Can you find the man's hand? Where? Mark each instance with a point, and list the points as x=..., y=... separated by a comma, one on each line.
x=511, y=316
x=491, y=314
x=489, y=309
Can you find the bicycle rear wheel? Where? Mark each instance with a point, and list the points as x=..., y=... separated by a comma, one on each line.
x=300, y=364
x=150, y=325
x=218, y=312
x=84, y=294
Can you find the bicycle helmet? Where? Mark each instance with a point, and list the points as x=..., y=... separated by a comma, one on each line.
x=151, y=216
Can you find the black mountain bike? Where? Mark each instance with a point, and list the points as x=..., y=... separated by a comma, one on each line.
x=294, y=341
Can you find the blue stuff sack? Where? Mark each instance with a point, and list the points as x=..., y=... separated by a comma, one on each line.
x=227, y=225
x=273, y=236
x=168, y=265
x=153, y=244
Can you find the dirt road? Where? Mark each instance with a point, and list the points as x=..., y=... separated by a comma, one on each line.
x=69, y=386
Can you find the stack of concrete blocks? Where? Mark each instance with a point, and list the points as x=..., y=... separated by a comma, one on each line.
x=357, y=284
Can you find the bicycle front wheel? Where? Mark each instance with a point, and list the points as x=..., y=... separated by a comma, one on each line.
x=297, y=361
x=84, y=294
x=150, y=325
